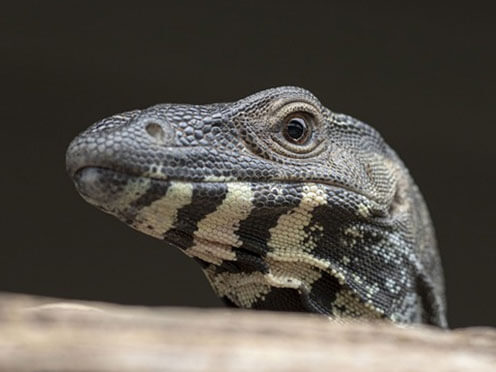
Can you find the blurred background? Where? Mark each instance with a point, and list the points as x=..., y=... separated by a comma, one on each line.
x=424, y=76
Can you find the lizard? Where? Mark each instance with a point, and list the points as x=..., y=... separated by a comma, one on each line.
x=285, y=204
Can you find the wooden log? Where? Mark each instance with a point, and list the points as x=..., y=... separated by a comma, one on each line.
x=82, y=336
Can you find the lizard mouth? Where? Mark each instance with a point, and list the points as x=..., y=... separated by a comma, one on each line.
x=137, y=199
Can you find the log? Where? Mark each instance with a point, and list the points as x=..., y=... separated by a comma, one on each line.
x=37, y=335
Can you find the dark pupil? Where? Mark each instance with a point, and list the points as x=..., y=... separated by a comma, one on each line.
x=296, y=128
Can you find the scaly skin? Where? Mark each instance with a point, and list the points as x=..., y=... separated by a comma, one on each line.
x=285, y=204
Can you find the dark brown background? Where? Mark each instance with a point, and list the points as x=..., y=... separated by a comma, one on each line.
x=425, y=77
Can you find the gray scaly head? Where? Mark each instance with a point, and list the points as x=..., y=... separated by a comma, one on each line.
x=285, y=204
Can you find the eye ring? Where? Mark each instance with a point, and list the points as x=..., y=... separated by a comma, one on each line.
x=296, y=129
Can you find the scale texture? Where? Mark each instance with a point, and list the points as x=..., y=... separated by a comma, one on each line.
x=285, y=204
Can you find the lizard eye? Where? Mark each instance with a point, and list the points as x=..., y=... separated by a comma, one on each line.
x=296, y=129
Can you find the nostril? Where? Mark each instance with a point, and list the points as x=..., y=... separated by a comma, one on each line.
x=156, y=131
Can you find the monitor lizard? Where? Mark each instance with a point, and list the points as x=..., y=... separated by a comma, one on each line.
x=285, y=204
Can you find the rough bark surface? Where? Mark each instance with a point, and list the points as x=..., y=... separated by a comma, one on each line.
x=80, y=336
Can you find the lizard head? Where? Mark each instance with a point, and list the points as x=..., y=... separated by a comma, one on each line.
x=285, y=204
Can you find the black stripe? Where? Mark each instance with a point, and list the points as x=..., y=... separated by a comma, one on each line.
x=156, y=190
x=245, y=262
x=322, y=294
x=205, y=200
x=281, y=299
x=253, y=231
